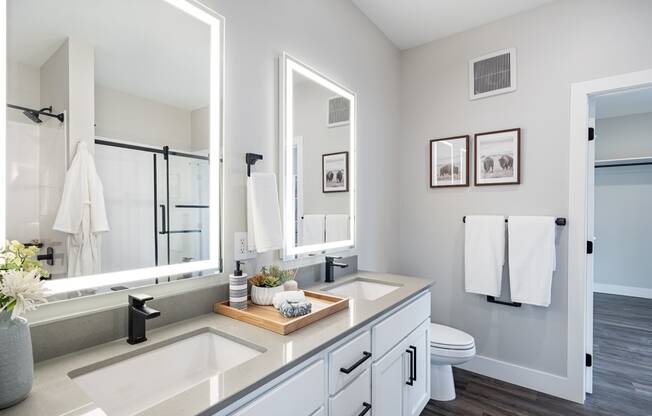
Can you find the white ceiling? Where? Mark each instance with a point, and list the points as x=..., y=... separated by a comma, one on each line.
x=624, y=103
x=409, y=23
x=147, y=48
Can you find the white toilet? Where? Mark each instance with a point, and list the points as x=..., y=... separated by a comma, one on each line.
x=448, y=347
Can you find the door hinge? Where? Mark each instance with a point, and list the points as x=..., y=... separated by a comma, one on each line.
x=591, y=134
x=589, y=247
x=589, y=360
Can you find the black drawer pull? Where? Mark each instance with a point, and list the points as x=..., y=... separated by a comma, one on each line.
x=367, y=355
x=411, y=379
x=367, y=408
x=414, y=362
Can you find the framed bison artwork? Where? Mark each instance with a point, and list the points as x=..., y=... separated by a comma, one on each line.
x=449, y=162
x=498, y=158
x=335, y=172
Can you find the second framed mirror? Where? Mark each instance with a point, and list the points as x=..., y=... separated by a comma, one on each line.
x=318, y=134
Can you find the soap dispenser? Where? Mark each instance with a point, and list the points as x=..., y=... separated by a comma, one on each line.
x=238, y=288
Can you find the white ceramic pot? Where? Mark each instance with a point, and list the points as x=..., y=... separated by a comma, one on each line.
x=264, y=295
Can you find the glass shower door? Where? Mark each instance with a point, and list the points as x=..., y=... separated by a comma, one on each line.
x=182, y=204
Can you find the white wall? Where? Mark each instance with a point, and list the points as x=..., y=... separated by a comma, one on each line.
x=22, y=150
x=123, y=116
x=53, y=151
x=557, y=44
x=310, y=122
x=623, y=202
x=337, y=39
x=622, y=137
x=200, y=129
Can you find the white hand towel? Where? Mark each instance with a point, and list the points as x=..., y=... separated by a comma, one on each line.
x=313, y=229
x=532, y=259
x=337, y=227
x=263, y=213
x=484, y=254
x=82, y=214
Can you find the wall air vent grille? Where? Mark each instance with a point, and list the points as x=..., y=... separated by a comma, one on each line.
x=492, y=74
x=339, y=111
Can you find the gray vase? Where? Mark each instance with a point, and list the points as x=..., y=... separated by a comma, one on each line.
x=16, y=362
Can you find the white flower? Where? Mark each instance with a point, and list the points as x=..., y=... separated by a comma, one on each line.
x=24, y=290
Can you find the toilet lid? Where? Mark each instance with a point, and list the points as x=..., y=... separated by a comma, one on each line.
x=442, y=336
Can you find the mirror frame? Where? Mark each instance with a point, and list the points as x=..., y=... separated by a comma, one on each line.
x=288, y=65
x=216, y=238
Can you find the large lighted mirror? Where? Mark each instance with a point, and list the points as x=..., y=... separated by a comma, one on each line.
x=113, y=140
x=317, y=161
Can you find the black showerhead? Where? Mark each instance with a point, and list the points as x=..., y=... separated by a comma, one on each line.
x=33, y=115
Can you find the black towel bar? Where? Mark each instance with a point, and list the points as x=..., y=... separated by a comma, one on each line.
x=559, y=221
x=500, y=302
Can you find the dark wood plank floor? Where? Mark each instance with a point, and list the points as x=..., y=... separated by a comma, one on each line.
x=622, y=373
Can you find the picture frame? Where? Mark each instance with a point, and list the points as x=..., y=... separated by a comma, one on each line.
x=497, y=158
x=335, y=172
x=449, y=162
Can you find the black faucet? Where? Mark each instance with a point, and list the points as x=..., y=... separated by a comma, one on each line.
x=138, y=314
x=330, y=265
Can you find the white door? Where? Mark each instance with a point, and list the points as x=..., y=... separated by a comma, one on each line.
x=418, y=393
x=389, y=377
x=590, y=230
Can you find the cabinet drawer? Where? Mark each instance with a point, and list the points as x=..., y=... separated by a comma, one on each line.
x=354, y=398
x=352, y=357
x=302, y=394
x=397, y=326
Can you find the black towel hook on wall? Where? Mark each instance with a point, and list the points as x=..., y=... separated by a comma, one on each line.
x=251, y=159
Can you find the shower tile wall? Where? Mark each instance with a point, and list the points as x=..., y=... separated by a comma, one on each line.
x=35, y=165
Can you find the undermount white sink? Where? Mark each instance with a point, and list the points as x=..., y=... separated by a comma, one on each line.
x=362, y=289
x=128, y=385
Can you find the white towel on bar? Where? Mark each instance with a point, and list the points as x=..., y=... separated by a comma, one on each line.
x=337, y=227
x=313, y=229
x=263, y=213
x=532, y=259
x=484, y=254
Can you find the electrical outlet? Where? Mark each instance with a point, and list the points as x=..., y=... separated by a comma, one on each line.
x=240, y=250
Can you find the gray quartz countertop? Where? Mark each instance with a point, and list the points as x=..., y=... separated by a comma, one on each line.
x=56, y=394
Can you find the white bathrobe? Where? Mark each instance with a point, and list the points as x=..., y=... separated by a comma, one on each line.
x=82, y=214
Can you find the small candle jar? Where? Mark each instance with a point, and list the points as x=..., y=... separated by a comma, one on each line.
x=290, y=285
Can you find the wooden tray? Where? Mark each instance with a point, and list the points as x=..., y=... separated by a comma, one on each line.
x=269, y=318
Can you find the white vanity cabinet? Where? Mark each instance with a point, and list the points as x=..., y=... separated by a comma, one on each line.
x=381, y=369
x=401, y=378
x=300, y=395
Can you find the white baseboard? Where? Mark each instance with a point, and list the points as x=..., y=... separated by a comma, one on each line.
x=540, y=381
x=637, y=292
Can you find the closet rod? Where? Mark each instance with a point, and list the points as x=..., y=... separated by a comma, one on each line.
x=559, y=221
x=615, y=165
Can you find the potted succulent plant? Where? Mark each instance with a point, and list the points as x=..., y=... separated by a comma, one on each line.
x=21, y=290
x=267, y=283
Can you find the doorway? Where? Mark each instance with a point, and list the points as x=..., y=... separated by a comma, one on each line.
x=620, y=203
x=586, y=99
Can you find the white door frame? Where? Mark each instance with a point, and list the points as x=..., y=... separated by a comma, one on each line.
x=581, y=94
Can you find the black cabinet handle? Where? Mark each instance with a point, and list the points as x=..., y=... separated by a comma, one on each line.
x=163, y=225
x=366, y=356
x=414, y=362
x=410, y=381
x=367, y=408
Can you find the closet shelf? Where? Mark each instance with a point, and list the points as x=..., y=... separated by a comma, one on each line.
x=628, y=161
